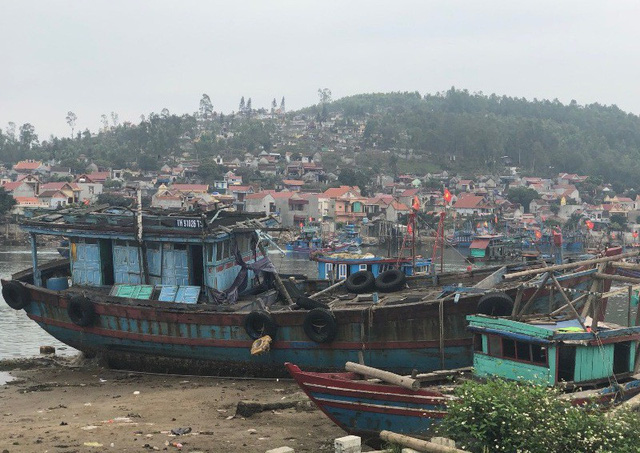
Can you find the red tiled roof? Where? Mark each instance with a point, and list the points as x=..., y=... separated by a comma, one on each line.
x=99, y=175
x=468, y=202
x=238, y=188
x=399, y=206
x=292, y=182
x=336, y=192
x=409, y=192
x=27, y=165
x=11, y=186
x=51, y=194
x=26, y=200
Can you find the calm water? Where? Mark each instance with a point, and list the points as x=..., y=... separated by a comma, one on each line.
x=21, y=337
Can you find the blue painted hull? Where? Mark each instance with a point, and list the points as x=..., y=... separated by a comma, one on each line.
x=194, y=338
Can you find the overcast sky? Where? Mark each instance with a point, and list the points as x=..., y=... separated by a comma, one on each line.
x=134, y=57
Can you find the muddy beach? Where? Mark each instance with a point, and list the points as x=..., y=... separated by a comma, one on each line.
x=70, y=405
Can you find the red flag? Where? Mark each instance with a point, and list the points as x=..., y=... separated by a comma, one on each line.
x=635, y=234
x=416, y=203
x=409, y=229
x=447, y=196
x=538, y=234
x=589, y=224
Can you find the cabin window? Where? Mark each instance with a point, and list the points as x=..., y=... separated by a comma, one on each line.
x=523, y=351
x=180, y=247
x=363, y=267
x=342, y=271
x=328, y=267
x=220, y=250
x=477, y=342
x=508, y=348
x=209, y=248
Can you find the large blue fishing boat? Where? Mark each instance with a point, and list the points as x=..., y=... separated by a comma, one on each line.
x=191, y=292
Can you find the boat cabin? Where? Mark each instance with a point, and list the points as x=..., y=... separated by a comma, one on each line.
x=154, y=256
x=549, y=352
x=490, y=248
x=339, y=265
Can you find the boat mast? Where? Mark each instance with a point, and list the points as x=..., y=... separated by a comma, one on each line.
x=141, y=244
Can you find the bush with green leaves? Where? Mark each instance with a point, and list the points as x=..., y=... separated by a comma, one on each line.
x=504, y=416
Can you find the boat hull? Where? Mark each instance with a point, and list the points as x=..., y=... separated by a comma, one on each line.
x=363, y=408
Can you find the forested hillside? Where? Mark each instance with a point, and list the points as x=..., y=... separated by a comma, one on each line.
x=542, y=137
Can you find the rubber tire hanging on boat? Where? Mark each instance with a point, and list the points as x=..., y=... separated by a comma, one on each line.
x=360, y=282
x=259, y=323
x=495, y=304
x=309, y=304
x=391, y=280
x=81, y=311
x=15, y=295
x=320, y=325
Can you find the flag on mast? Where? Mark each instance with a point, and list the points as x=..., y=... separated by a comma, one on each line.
x=447, y=196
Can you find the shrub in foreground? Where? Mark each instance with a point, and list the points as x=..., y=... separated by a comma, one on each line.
x=504, y=416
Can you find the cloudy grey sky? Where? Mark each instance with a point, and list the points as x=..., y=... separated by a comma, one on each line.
x=134, y=57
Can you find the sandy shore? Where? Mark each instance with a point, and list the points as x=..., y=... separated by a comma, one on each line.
x=64, y=406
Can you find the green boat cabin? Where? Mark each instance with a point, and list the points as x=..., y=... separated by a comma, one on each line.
x=549, y=352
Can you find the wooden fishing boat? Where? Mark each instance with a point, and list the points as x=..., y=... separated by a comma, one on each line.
x=190, y=293
x=591, y=368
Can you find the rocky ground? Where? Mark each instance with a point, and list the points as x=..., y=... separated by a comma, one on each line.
x=66, y=405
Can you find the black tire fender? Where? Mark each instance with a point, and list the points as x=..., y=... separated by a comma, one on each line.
x=259, y=323
x=15, y=295
x=320, y=325
x=309, y=304
x=360, y=282
x=81, y=311
x=495, y=304
x=391, y=280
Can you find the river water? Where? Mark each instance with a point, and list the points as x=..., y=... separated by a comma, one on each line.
x=21, y=337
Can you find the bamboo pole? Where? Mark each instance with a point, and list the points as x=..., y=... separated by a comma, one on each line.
x=417, y=444
x=629, y=266
x=615, y=292
x=616, y=278
x=386, y=376
x=516, y=304
x=532, y=298
x=326, y=290
x=566, y=299
x=593, y=288
x=629, y=306
x=559, y=267
x=278, y=281
x=565, y=306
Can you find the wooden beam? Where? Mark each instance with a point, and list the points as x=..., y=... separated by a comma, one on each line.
x=386, y=376
x=416, y=444
x=559, y=267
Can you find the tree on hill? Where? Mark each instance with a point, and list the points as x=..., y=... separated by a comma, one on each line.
x=6, y=201
x=522, y=196
x=206, y=106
